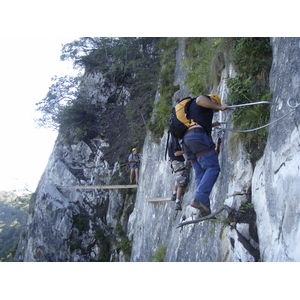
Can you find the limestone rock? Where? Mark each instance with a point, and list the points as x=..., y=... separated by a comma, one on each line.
x=100, y=225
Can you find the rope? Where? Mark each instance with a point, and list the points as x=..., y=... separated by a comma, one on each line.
x=249, y=130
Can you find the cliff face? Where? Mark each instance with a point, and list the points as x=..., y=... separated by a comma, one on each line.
x=275, y=183
x=90, y=225
x=153, y=225
x=74, y=224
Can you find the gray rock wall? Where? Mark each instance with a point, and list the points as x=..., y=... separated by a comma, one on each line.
x=272, y=234
x=275, y=184
x=74, y=225
x=153, y=225
x=61, y=224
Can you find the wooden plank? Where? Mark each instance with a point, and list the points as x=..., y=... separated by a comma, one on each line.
x=159, y=199
x=99, y=187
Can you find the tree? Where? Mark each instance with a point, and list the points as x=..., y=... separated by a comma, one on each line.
x=127, y=63
x=61, y=94
x=118, y=58
x=12, y=209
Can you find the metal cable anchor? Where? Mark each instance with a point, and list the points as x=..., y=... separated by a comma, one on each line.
x=293, y=106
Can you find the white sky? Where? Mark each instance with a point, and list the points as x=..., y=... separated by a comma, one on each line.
x=27, y=66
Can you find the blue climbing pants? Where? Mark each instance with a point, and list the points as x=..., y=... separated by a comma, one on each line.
x=206, y=167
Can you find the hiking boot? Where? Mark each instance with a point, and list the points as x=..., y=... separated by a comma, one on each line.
x=199, y=215
x=201, y=206
x=174, y=197
x=178, y=206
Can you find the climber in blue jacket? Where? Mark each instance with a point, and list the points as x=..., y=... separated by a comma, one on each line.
x=199, y=148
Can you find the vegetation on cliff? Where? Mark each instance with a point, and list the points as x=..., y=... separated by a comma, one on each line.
x=251, y=59
x=161, y=114
x=143, y=66
x=128, y=64
x=137, y=64
x=12, y=209
x=205, y=60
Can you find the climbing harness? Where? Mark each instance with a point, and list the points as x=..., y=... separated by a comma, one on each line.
x=294, y=107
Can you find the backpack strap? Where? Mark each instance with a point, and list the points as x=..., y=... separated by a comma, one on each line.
x=167, y=145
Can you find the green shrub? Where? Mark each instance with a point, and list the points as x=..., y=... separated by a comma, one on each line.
x=125, y=244
x=252, y=58
x=12, y=210
x=159, y=255
x=79, y=223
x=130, y=63
x=247, y=205
x=166, y=89
x=206, y=59
x=105, y=252
x=76, y=121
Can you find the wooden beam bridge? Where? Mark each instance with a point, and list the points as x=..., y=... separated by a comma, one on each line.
x=99, y=187
x=159, y=199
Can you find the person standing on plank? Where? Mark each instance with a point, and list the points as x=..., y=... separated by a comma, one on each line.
x=134, y=161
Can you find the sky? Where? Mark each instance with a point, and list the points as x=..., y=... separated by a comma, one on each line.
x=27, y=66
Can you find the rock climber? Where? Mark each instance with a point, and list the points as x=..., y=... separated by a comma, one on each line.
x=175, y=153
x=199, y=148
x=134, y=160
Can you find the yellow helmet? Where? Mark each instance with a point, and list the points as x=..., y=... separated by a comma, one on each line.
x=216, y=97
x=133, y=149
